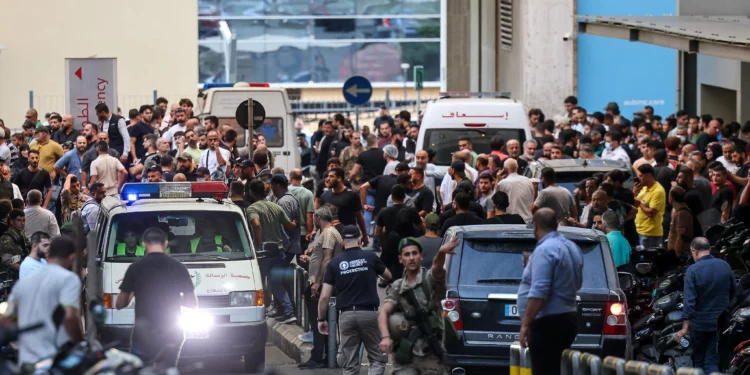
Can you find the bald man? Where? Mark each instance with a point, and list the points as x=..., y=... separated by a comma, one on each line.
x=520, y=190
x=598, y=206
x=91, y=155
x=33, y=116
x=547, y=294
x=66, y=133
x=422, y=160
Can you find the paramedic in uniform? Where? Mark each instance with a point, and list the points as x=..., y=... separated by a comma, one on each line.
x=354, y=274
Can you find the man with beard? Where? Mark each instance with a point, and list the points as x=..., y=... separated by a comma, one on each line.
x=13, y=243
x=90, y=130
x=179, y=126
x=187, y=167
x=149, y=143
x=138, y=131
x=92, y=154
x=70, y=163
x=66, y=132
x=116, y=129
x=37, y=257
x=34, y=178
x=192, y=148
x=346, y=200
x=71, y=198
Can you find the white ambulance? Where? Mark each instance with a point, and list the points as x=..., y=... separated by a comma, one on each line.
x=210, y=236
x=278, y=127
x=478, y=115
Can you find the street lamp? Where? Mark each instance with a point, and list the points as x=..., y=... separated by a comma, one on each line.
x=405, y=68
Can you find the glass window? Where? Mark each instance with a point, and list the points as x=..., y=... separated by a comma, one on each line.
x=491, y=261
x=258, y=8
x=445, y=141
x=273, y=130
x=185, y=243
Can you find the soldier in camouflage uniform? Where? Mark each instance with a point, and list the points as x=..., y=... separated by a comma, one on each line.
x=72, y=198
x=14, y=245
x=422, y=352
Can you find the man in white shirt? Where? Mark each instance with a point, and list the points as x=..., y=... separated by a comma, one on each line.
x=727, y=149
x=212, y=159
x=179, y=115
x=108, y=170
x=612, y=148
x=37, y=256
x=120, y=143
x=5, y=173
x=520, y=191
x=39, y=219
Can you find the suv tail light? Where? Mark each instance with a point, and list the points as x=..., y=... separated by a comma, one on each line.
x=615, y=319
x=452, y=309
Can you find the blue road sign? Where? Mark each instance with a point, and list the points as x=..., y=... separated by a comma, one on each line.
x=357, y=90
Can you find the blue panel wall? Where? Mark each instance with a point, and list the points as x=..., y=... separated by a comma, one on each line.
x=633, y=74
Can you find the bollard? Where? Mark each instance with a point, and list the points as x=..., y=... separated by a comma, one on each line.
x=613, y=366
x=515, y=358
x=525, y=361
x=636, y=368
x=570, y=362
x=590, y=364
x=660, y=370
x=299, y=292
x=332, y=332
x=690, y=371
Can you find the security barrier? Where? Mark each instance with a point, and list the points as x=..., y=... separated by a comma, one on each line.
x=590, y=364
x=613, y=366
x=570, y=362
x=520, y=359
x=333, y=319
x=636, y=368
x=690, y=371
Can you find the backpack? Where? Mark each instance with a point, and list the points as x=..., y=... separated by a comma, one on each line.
x=6, y=190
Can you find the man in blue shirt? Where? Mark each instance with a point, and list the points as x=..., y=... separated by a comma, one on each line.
x=547, y=294
x=619, y=246
x=71, y=161
x=709, y=284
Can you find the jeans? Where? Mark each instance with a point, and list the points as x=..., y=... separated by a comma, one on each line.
x=369, y=218
x=651, y=241
x=705, y=352
x=276, y=286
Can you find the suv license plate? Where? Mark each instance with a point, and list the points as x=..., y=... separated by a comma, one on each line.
x=196, y=335
x=511, y=310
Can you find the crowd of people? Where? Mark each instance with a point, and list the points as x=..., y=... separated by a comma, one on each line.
x=687, y=172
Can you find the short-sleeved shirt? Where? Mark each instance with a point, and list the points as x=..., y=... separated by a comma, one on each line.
x=291, y=207
x=424, y=199
x=209, y=160
x=106, y=168
x=722, y=198
x=556, y=198
x=30, y=265
x=460, y=220
x=72, y=162
x=137, y=131
x=36, y=297
x=49, y=153
x=28, y=180
x=157, y=280
x=272, y=217
x=348, y=203
x=620, y=248
x=652, y=197
x=306, y=204
x=329, y=238
x=382, y=185
x=354, y=274
x=61, y=137
x=372, y=163
x=486, y=203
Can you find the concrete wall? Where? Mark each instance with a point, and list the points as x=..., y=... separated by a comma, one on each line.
x=713, y=7
x=154, y=43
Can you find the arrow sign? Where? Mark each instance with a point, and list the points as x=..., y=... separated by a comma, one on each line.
x=357, y=90
x=79, y=73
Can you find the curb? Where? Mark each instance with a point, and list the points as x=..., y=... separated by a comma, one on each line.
x=285, y=337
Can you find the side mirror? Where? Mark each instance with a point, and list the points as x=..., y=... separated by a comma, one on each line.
x=627, y=281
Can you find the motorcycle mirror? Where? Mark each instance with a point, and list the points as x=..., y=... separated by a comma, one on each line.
x=643, y=268
x=626, y=280
x=58, y=315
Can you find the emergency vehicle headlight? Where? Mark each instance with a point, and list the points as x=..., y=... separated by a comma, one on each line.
x=165, y=190
x=195, y=320
x=237, y=299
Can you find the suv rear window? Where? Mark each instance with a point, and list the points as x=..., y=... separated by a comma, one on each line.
x=485, y=262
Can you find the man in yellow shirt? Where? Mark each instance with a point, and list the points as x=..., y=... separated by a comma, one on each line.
x=49, y=150
x=651, y=202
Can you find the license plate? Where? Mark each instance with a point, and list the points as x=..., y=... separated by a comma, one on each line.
x=196, y=335
x=511, y=310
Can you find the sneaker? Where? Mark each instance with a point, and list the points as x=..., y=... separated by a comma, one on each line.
x=276, y=314
x=288, y=318
x=311, y=364
x=306, y=338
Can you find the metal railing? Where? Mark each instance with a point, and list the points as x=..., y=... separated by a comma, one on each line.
x=574, y=362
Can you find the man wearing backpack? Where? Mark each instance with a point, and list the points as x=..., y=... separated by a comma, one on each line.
x=90, y=209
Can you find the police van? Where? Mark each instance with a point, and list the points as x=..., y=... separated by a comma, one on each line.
x=221, y=100
x=478, y=115
x=210, y=236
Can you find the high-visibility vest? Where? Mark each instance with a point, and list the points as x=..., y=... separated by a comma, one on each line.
x=139, y=250
x=194, y=244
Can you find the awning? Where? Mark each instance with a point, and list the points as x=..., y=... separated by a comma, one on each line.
x=722, y=36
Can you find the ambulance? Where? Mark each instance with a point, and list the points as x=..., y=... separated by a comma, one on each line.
x=478, y=115
x=221, y=100
x=209, y=235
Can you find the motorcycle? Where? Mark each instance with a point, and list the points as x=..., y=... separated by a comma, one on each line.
x=654, y=334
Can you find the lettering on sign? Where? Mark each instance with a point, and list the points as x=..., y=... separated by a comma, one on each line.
x=83, y=108
x=236, y=276
x=216, y=290
x=101, y=87
x=216, y=275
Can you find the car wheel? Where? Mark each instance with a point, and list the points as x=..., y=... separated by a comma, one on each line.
x=255, y=362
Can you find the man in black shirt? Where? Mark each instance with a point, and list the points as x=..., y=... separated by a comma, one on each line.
x=463, y=216
x=370, y=162
x=723, y=198
x=474, y=207
x=712, y=130
x=186, y=166
x=394, y=223
x=353, y=273
x=162, y=285
x=34, y=178
x=236, y=194
x=501, y=202
x=346, y=200
x=138, y=131
x=323, y=147
x=424, y=199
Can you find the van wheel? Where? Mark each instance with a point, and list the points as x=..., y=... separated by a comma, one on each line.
x=255, y=361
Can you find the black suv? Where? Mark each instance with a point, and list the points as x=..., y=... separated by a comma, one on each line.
x=483, y=279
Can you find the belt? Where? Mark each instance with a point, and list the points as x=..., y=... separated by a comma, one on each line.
x=359, y=308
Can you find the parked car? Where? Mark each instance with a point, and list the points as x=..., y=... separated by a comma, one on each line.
x=482, y=283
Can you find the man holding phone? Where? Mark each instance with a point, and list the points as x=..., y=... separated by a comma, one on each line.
x=651, y=202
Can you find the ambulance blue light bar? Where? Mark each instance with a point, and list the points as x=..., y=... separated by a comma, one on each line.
x=165, y=190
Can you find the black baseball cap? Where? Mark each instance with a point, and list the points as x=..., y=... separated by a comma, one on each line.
x=279, y=179
x=245, y=163
x=349, y=232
